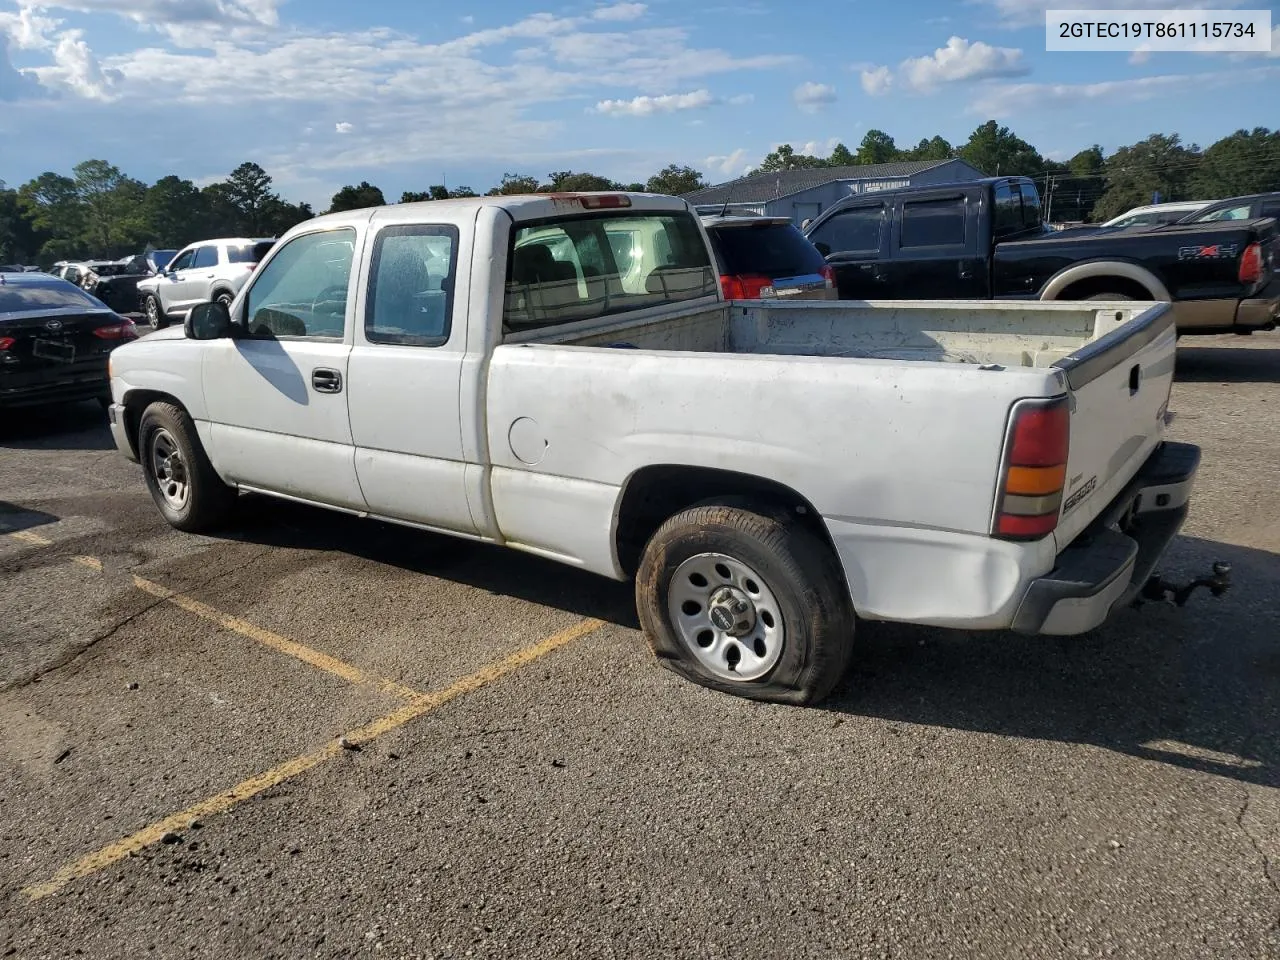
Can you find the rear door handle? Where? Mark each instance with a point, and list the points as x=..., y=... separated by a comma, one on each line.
x=325, y=380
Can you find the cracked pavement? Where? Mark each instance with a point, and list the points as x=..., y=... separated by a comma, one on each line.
x=961, y=795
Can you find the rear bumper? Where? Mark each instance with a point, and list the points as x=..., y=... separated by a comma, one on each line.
x=1107, y=565
x=56, y=391
x=1226, y=315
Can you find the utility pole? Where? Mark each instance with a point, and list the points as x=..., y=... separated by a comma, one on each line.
x=1048, y=210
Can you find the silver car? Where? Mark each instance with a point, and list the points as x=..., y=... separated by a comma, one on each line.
x=202, y=272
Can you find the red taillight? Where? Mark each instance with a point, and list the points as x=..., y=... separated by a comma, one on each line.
x=7, y=342
x=608, y=201
x=828, y=275
x=1251, y=264
x=744, y=287
x=118, y=331
x=1035, y=470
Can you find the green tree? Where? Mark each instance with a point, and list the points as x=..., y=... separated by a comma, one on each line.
x=1247, y=161
x=175, y=213
x=877, y=147
x=930, y=148
x=512, y=184
x=566, y=181
x=19, y=240
x=248, y=192
x=786, y=158
x=280, y=215
x=1134, y=174
x=52, y=205
x=112, y=205
x=358, y=197
x=460, y=192
x=996, y=151
x=675, y=180
x=841, y=156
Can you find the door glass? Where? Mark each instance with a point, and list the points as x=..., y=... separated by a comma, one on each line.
x=205, y=257
x=853, y=230
x=182, y=262
x=1008, y=213
x=411, y=293
x=933, y=223
x=1227, y=213
x=302, y=291
x=1032, y=216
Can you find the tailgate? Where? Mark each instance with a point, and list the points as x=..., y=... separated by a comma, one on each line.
x=1120, y=387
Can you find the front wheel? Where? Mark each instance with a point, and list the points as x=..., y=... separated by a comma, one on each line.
x=182, y=481
x=155, y=315
x=224, y=298
x=746, y=602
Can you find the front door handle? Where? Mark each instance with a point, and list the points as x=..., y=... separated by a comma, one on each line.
x=326, y=381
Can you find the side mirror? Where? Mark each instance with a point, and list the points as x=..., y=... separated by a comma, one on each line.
x=208, y=321
x=823, y=248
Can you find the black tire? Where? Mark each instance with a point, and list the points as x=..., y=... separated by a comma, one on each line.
x=1108, y=296
x=799, y=571
x=224, y=297
x=208, y=502
x=154, y=312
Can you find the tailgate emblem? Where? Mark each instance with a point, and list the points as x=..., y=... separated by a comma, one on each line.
x=53, y=325
x=1217, y=251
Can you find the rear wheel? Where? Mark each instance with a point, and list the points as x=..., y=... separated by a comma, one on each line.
x=1108, y=296
x=747, y=602
x=224, y=297
x=182, y=481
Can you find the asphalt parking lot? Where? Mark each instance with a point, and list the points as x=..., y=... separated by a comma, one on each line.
x=316, y=736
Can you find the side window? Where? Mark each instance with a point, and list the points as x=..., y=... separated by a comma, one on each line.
x=182, y=262
x=205, y=257
x=1270, y=209
x=854, y=230
x=1008, y=210
x=302, y=291
x=933, y=223
x=1226, y=213
x=411, y=283
x=1031, y=213
x=578, y=268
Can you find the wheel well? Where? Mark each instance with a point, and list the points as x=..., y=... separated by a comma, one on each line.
x=135, y=402
x=654, y=494
x=1091, y=286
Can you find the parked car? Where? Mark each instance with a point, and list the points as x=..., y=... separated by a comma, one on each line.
x=10, y=268
x=1155, y=214
x=54, y=341
x=767, y=471
x=1238, y=208
x=986, y=238
x=199, y=273
x=762, y=257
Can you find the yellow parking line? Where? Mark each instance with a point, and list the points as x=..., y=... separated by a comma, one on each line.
x=246, y=789
x=291, y=648
x=32, y=538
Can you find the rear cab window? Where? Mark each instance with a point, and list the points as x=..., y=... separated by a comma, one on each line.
x=249, y=252
x=776, y=250
x=581, y=267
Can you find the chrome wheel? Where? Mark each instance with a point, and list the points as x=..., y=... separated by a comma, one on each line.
x=169, y=469
x=153, y=311
x=727, y=616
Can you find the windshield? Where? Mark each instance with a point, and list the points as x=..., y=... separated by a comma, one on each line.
x=49, y=295
x=766, y=249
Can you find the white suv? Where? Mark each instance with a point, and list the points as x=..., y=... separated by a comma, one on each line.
x=204, y=271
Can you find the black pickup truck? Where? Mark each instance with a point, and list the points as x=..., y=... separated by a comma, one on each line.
x=986, y=239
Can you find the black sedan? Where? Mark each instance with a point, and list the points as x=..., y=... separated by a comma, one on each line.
x=54, y=341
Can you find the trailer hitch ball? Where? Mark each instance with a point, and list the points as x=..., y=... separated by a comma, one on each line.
x=1218, y=583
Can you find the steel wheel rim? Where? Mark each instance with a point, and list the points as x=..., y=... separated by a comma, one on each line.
x=705, y=604
x=169, y=469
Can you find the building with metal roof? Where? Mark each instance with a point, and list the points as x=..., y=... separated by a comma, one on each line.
x=805, y=193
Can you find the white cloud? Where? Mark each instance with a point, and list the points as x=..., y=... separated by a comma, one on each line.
x=1000, y=101
x=877, y=81
x=961, y=60
x=77, y=70
x=647, y=106
x=812, y=97
x=620, y=11
x=731, y=165
x=741, y=99
x=28, y=29
x=342, y=126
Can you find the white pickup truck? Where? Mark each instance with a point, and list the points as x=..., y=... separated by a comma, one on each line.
x=560, y=374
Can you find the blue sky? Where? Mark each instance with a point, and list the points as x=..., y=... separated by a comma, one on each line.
x=406, y=93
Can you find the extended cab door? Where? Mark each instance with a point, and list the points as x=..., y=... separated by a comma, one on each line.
x=276, y=392
x=935, y=249
x=851, y=241
x=406, y=367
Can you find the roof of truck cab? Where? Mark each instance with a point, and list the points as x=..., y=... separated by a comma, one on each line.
x=522, y=206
